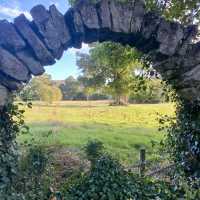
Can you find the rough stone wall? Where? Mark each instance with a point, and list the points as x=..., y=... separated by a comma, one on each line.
x=27, y=46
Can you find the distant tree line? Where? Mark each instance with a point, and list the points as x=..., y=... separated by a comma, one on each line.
x=74, y=89
x=43, y=88
x=108, y=71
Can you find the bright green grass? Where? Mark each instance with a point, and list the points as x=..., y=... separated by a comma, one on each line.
x=123, y=130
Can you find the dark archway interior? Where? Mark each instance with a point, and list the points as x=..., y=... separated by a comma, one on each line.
x=26, y=46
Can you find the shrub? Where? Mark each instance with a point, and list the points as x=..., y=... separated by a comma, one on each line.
x=33, y=181
x=93, y=150
x=110, y=181
x=182, y=139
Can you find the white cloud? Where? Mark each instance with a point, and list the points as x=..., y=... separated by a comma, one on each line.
x=13, y=12
x=85, y=49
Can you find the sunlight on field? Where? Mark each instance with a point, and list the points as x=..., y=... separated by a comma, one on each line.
x=138, y=115
x=124, y=130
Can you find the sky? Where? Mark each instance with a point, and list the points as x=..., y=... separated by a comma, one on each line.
x=66, y=66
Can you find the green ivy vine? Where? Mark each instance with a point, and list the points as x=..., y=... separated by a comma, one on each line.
x=11, y=123
x=182, y=140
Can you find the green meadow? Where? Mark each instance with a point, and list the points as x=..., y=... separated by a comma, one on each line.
x=123, y=130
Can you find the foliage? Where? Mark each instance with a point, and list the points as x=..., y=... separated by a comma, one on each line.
x=70, y=88
x=41, y=88
x=35, y=161
x=11, y=123
x=33, y=180
x=110, y=66
x=185, y=11
x=187, y=191
x=109, y=180
x=150, y=91
x=93, y=149
x=182, y=139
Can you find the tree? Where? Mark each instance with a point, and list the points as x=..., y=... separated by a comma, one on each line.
x=88, y=88
x=70, y=88
x=151, y=91
x=41, y=88
x=110, y=66
x=185, y=11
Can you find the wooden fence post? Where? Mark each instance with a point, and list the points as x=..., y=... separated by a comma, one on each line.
x=142, y=162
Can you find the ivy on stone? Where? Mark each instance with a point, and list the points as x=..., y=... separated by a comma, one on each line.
x=11, y=122
x=182, y=140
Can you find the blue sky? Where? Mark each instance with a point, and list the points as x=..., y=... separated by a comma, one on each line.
x=63, y=68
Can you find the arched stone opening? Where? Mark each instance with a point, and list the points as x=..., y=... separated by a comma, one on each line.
x=26, y=46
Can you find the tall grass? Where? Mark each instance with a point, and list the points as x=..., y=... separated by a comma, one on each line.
x=123, y=130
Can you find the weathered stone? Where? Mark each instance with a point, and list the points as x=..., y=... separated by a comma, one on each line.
x=41, y=52
x=121, y=17
x=51, y=26
x=192, y=75
x=9, y=38
x=4, y=95
x=172, y=63
x=150, y=25
x=169, y=35
x=11, y=66
x=127, y=18
x=190, y=93
x=88, y=14
x=104, y=14
x=76, y=27
x=61, y=27
x=10, y=83
x=190, y=33
x=138, y=15
x=169, y=45
x=90, y=21
x=192, y=56
x=30, y=61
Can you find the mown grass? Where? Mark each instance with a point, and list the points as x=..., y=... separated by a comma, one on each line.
x=123, y=130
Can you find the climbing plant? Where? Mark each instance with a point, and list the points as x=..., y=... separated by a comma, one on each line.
x=11, y=123
x=182, y=140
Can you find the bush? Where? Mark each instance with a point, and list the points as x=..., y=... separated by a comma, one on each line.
x=33, y=181
x=93, y=149
x=110, y=181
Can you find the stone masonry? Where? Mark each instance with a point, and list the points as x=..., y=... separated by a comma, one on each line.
x=27, y=46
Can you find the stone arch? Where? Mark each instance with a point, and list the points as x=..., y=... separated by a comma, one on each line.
x=26, y=46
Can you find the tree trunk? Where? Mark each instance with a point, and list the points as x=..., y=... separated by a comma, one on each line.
x=120, y=100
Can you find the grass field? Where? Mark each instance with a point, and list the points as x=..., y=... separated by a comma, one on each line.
x=124, y=130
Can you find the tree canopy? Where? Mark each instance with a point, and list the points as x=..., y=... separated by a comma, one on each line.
x=111, y=66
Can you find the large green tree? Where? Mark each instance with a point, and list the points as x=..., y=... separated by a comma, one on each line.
x=70, y=88
x=110, y=66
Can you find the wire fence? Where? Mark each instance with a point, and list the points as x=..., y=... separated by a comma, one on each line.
x=159, y=169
